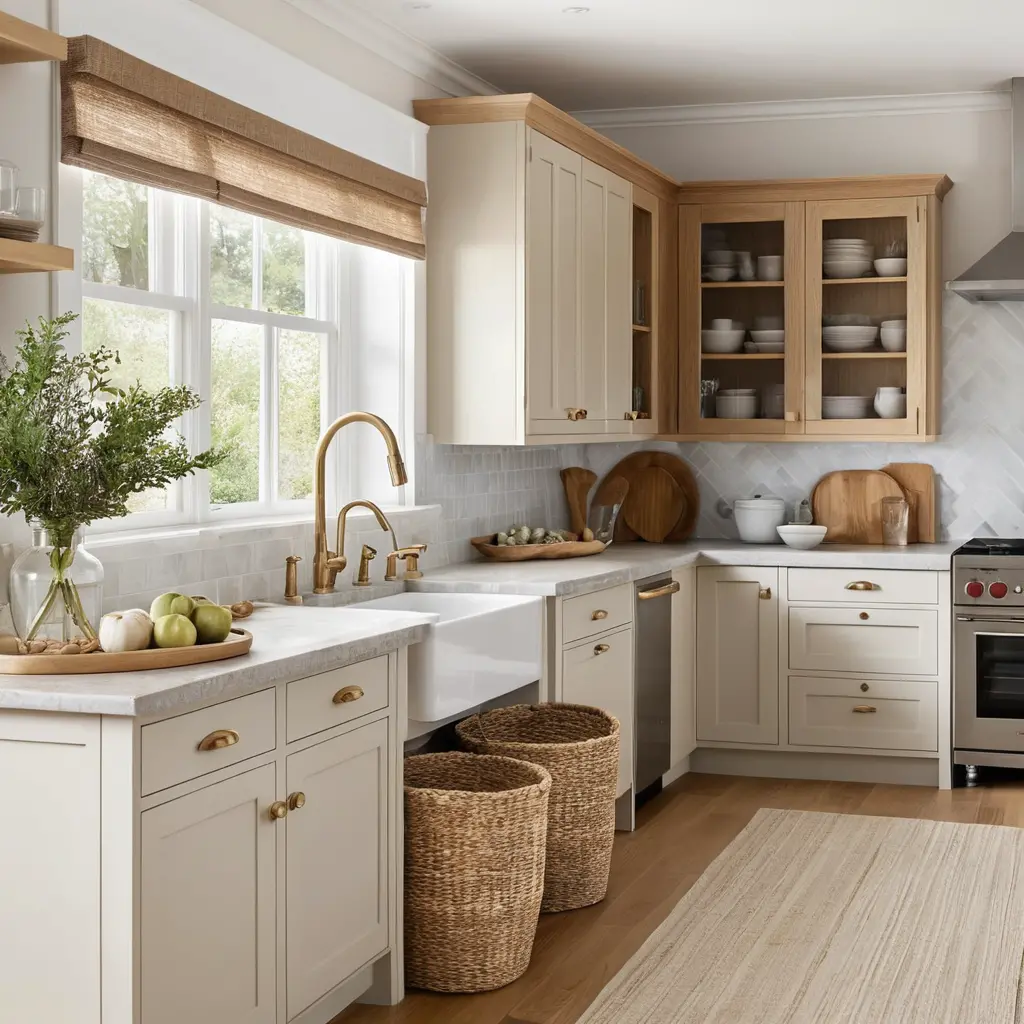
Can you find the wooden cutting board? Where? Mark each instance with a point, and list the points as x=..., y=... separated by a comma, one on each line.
x=849, y=503
x=918, y=482
x=656, y=504
x=577, y=482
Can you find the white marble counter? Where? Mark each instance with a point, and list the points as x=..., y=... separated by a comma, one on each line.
x=288, y=643
x=624, y=563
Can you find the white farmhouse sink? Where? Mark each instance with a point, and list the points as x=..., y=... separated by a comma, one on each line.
x=479, y=647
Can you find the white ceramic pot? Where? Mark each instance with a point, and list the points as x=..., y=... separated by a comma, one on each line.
x=769, y=268
x=757, y=519
x=891, y=403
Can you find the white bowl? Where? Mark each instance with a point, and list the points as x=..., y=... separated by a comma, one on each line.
x=721, y=342
x=895, y=323
x=846, y=268
x=769, y=268
x=762, y=336
x=720, y=257
x=720, y=273
x=845, y=407
x=891, y=267
x=848, y=345
x=802, y=537
x=738, y=391
x=769, y=323
x=894, y=339
x=846, y=320
x=891, y=406
x=736, y=407
x=768, y=346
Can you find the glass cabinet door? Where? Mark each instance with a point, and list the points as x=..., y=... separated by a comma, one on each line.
x=866, y=317
x=742, y=276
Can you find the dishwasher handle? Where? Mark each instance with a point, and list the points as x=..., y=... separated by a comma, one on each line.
x=664, y=591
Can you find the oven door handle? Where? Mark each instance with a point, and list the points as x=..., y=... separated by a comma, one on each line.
x=974, y=618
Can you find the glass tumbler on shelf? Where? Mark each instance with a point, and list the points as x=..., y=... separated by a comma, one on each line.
x=8, y=188
x=30, y=204
x=895, y=521
x=56, y=589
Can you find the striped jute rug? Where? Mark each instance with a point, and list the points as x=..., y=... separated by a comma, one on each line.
x=811, y=918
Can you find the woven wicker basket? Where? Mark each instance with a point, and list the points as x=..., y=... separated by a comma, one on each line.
x=474, y=869
x=579, y=746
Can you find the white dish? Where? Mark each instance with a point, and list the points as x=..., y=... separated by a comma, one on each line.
x=895, y=323
x=769, y=323
x=768, y=346
x=761, y=336
x=851, y=333
x=721, y=274
x=846, y=320
x=721, y=342
x=894, y=339
x=769, y=268
x=848, y=345
x=720, y=258
x=891, y=267
x=845, y=407
x=802, y=537
x=738, y=391
x=736, y=407
x=846, y=268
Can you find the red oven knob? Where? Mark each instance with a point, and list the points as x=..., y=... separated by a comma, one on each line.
x=975, y=589
x=997, y=589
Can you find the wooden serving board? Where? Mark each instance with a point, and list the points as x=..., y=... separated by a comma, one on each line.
x=849, y=503
x=918, y=482
x=629, y=469
x=237, y=644
x=656, y=505
x=530, y=552
x=577, y=482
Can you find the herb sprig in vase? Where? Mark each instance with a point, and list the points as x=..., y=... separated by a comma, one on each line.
x=74, y=448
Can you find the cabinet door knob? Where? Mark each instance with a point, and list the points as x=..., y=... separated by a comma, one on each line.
x=865, y=709
x=296, y=801
x=278, y=810
x=864, y=687
x=601, y=648
x=218, y=740
x=765, y=594
x=599, y=614
x=864, y=616
x=347, y=694
x=862, y=585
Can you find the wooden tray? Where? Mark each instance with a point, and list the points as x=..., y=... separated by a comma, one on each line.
x=238, y=643
x=529, y=552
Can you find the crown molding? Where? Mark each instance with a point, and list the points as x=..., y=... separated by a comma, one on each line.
x=393, y=45
x=786, y=110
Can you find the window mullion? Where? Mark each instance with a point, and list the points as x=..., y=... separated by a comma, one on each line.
x=269, y=417
x=257, y=263
x=197, y=278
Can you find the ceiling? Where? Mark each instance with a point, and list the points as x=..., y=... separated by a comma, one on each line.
x=644, y=53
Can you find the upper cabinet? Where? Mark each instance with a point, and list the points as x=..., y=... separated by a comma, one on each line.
x=547, y=318
x=811, y=309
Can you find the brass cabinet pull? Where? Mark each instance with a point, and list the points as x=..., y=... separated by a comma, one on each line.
x=862, y=585
x=576, y=414
x=865, y=709
x=668, y=588
x=864, y=615
x=278, y=810
x=296, y=801
x=218, y=740
x=347, y=694
x=599, y=614
x=601, y=648
x=765, y=594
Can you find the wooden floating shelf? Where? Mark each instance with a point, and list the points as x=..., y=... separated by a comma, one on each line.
x=33, y=257
x=864, y=355
x=715, y=357
x=863, y=280
x=643, y=328
x=21, y=42
x=747, y=284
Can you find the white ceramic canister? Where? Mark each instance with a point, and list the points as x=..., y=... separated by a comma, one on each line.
x=891, y=403
x=757, y=517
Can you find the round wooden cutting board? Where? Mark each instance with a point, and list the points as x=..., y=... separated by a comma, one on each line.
x=631, y=469
x=656, y=505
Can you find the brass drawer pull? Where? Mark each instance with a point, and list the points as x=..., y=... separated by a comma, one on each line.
x=862, y=585
x=278, y=810
x=664, y=591
x=765, y=594
x=576, y=414
x=601, y=648
x=347, y=694
x=219, y=740
x=296, y=801
x=865, y=709
x=599, y=614
x=864, y=616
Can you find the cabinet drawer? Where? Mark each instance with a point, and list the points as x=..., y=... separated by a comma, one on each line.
x=335, y=697
x=594, y=613
x=171, y=749
x=884, y=640
x=872, y=586
x=886, y=715
x=601, y=675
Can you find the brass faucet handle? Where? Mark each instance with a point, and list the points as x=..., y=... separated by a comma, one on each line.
x=291, y=579
x=366, y=556
x=410, y=554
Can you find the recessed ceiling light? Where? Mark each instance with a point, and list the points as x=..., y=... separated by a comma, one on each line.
x=575, y=10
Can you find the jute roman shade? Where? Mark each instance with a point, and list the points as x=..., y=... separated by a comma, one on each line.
x=122, y=116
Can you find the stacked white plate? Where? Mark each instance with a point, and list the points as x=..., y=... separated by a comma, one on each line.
x=845, y=407
x=766, y=341
x=847, y=257
x=849, y=339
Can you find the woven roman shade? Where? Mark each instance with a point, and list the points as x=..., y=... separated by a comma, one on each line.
x=124, y=117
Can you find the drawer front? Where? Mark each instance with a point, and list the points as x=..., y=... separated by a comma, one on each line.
x=883, y=640
x=864, y=586
x=886, y=715
x=594, y=613
x=335, y=697
x=227, y=733
x=601, y=675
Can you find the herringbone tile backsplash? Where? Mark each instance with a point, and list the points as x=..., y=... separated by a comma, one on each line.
x=979, y=459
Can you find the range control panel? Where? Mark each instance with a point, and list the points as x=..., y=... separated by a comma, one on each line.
x=994, y=583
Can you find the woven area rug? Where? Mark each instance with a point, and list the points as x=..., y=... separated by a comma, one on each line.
x=838, y=919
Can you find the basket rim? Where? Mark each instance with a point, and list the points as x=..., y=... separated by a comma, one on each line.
x=529, y=745
x=542, y=783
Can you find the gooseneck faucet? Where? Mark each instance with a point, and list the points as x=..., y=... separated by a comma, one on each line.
x=326, y=563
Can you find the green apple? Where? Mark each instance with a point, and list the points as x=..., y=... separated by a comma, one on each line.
x=212, y=622
x=199, y=599
x=174, y=631
x=171, y=604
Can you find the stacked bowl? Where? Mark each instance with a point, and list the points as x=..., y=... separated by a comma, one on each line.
x=720, y=264
x=849, y=338
x=845, y=407
x=847, y=257
x=724, y=336
x=736, y=404
x=894, y=335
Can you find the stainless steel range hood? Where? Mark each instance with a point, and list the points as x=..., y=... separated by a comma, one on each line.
x=999, y=275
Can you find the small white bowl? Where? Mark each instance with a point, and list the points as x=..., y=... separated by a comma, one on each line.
x=802, y=537
x=762, y=336
x=721, y=257
x=736, y=407
x=891, y=267
x=769, y=323
x=895, y=323
x=769, y=268
x=894, y=339
x=846, y=268
x=721, y=342
x=719, y=273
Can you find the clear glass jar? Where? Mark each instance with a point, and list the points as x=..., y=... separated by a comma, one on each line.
x=56, y=590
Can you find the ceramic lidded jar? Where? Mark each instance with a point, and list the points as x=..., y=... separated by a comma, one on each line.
x=757, y=517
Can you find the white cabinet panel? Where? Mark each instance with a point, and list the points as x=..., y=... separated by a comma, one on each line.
x=208, y=942
x=738, y=654
x=863, y=586
x=337, y=861
x=590, y=614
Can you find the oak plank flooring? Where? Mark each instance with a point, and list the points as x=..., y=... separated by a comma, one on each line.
x=680, y=833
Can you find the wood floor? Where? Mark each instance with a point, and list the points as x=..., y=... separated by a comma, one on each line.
x=679, y=834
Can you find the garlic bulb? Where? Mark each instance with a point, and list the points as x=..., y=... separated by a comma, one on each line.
x=126, y=631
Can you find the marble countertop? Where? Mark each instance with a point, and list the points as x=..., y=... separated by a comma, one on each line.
x=288, y=643
x=624, y=563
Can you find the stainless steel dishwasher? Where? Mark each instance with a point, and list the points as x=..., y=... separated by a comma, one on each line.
x=653, y=682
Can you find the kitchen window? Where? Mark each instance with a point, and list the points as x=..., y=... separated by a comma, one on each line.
x=279, y=330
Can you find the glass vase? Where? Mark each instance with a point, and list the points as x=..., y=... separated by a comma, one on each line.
x=56, y=589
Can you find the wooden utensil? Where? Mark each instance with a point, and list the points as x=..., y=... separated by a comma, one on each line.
x=656, y=503
x=634, y=464
x=849, y=503
x=577, y=483
x=918, y=482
